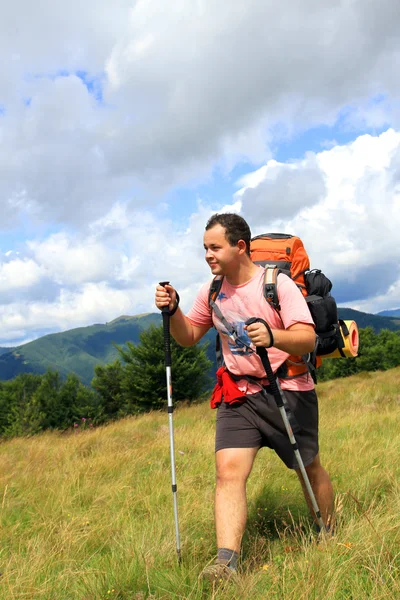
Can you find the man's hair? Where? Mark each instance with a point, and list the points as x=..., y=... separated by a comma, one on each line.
x=236, y=228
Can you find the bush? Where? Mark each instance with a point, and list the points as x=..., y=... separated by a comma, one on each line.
x=31, y=403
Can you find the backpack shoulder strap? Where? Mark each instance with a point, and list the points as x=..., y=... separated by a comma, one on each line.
x=215, y=288
x=270, y=286
x=271, y=273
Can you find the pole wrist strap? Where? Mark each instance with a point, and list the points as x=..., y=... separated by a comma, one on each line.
x=173, y=311
x=271, y=335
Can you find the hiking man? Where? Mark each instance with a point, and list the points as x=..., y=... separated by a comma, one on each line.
x=252, y=420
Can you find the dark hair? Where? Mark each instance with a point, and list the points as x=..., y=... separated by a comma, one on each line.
x=236, y=228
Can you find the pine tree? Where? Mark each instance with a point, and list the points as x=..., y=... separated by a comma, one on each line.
x=139, y=384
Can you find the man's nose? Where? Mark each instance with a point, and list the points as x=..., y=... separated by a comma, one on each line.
x=209, y=253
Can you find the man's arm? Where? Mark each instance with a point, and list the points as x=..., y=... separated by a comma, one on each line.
x=298, y=339
x=298, y=335
x=182, y=330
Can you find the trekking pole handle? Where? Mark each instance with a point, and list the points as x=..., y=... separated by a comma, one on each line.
x=164, y=309
x=167, y=335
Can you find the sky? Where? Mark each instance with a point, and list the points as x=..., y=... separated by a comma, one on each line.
x=124, y=126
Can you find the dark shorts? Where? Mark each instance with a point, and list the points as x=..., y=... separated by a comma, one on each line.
x=257, y=422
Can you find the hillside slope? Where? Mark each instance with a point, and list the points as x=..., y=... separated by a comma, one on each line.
x=368, y=320
x=5, y=350
x=77, y=350
x=89, y=514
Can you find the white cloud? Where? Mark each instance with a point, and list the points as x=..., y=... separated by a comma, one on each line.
x=282, y=190
x=104, y=107
x=99, y=278
x=69, y=262
x=187, y=85
x=51, y=163
x=51, y=36
x=92, y=303
x=212, y=75
x=351, y=232
x=388, y=301
x=19, y=274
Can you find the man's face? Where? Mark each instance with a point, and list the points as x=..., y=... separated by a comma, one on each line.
x=220, y=255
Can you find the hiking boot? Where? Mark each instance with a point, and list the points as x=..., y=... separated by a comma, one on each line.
x=324, y=536
x=218, y=572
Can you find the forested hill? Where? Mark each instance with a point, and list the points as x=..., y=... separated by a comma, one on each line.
x=76, y=350
x=80, y=350
x=367, y=320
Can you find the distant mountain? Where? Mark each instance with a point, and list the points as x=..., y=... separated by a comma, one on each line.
x=390, y=313
x=4, y=350
x=367, y=320
x=77, y=350
x=80, y=350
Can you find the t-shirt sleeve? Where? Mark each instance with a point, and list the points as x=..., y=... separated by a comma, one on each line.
x=200, y=313
x=294, y=308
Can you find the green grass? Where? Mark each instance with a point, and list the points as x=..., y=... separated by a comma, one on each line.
x=89, y=516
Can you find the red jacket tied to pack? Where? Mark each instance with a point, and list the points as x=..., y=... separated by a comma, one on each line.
x=225, y=390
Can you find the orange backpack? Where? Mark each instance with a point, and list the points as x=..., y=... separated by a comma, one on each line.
x=286, y=253
x=283, y=253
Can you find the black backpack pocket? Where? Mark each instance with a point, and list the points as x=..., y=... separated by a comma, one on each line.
x=317, y=284
x=329, y=341
x=323, y=312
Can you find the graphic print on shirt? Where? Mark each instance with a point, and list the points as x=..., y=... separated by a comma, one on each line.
x=239, y=344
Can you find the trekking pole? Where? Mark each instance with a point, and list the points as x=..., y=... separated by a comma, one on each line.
x=167, y=348
x=279, y=399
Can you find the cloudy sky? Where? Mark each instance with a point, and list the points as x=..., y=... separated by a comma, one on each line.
x=124, y=126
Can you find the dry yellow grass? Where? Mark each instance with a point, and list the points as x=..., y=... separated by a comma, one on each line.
x=88, y=515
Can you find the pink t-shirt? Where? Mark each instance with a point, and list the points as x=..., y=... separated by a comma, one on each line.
x=238, y=303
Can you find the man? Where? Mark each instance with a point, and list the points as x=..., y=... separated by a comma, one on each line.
x=253, y=419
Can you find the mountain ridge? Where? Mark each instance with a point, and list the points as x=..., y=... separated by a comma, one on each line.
x=395, y=312
x=79, y=350
x=76, y=350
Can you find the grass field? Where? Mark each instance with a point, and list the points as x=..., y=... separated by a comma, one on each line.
x=88, y=515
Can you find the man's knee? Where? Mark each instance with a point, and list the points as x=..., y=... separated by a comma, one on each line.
x=234, y=464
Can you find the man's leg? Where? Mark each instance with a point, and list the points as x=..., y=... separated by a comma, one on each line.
x=322, y=488
x=233, y=468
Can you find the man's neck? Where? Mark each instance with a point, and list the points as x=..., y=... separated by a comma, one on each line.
x=243, y=273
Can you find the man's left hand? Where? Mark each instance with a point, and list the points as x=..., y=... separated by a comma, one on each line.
x=258, y=334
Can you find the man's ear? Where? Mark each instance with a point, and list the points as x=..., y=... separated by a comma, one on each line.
x=242, y=246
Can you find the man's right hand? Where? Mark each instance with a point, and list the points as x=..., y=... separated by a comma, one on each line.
x=165, y=296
